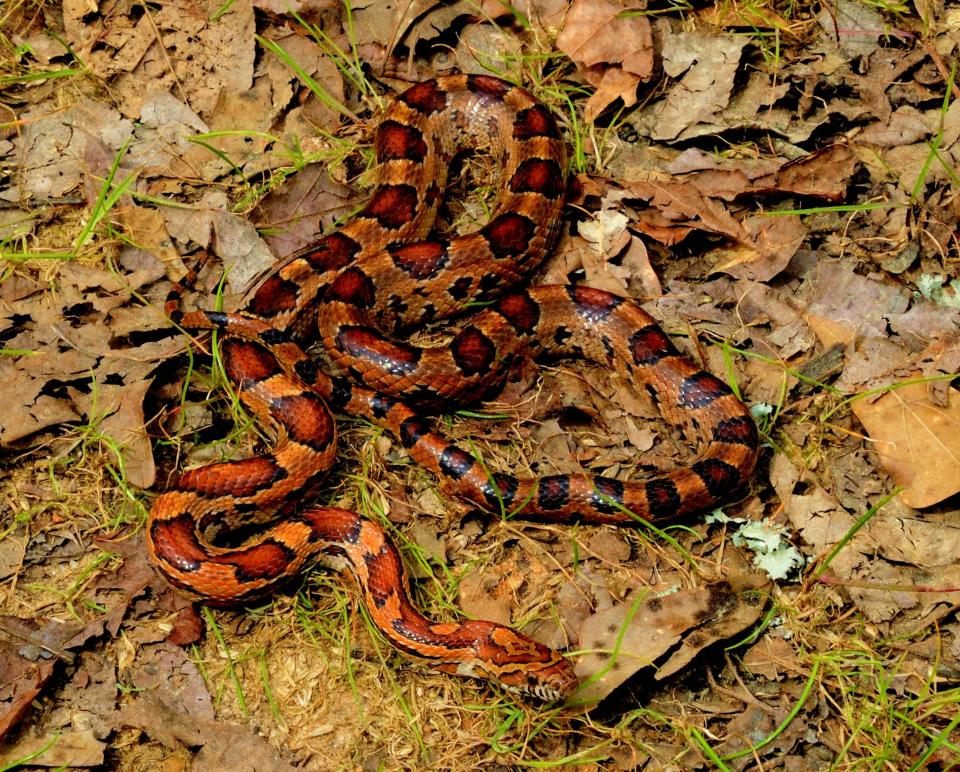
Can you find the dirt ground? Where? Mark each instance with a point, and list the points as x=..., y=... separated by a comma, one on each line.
x=776, y=182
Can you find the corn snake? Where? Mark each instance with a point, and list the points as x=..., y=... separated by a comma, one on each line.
x=352, y=291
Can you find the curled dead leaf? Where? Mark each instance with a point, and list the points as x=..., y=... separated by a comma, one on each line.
x=628, y=637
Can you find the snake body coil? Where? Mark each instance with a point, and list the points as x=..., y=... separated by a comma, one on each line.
x=377, y=273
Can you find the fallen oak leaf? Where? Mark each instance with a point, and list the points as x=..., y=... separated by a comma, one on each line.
x=824, y=173
x=292, y=215
x=918, y=442
x=59, y=749
x=722, y=15
x=186, y=628
x=166, y=672
x=22, y=682
x=770, y=244
x=733, y=606
x=615, y=84
x=886, y=586
x=707, y=66
x=665, y=631
x=675, y=208
x=41, y=636
x=131, y=446
x=600, y=32
x=29, y=650
x=607, y=232
x=133, y=576
x=478, y=602
x=613, y=49
x=773, y=658
x=223, y=746
x=605, y=236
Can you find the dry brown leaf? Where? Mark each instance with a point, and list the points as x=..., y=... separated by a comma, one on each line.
x=126, y=426
x=604, y=236
x=381, y=24
x=545, y=14
x=134, y=575
x=845, y=300
x=52, y=149
x=695, y=160
x=636, y=261
x=653, y=627
x=896, y=563
x=313, y=113
x=169, y=673
x=918, y=442
x=423, y=533
x=816, y=515
x=830, y=332
x=599, y=32
x=245, y=255
x=297, y=212
x=759, y=304
x=485, y=47
x=171, y=47
x=855, y=28
x=32, y=411
x=145, y=227
x=771, y=656
x=635, y=634
x=614, y=50
x=905, y=126
x=223, y=746
x=824, y=174
x=21, y=681
x=478, y=603
x=186, y=628
x=708, y=64
x=772, y=241
x=304, y=8
x=555, y=450
x=60, y=749
x=734, y=605
x=614, y=84
x=610, y=545
x=677, y=207
x=723, y=15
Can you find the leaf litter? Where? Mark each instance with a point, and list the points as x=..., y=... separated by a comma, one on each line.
x=788, y=213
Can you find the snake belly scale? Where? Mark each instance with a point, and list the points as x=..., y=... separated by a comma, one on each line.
x=359, y=291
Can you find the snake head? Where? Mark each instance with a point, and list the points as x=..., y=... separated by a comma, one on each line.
x=550, y=680
x=516, y=662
